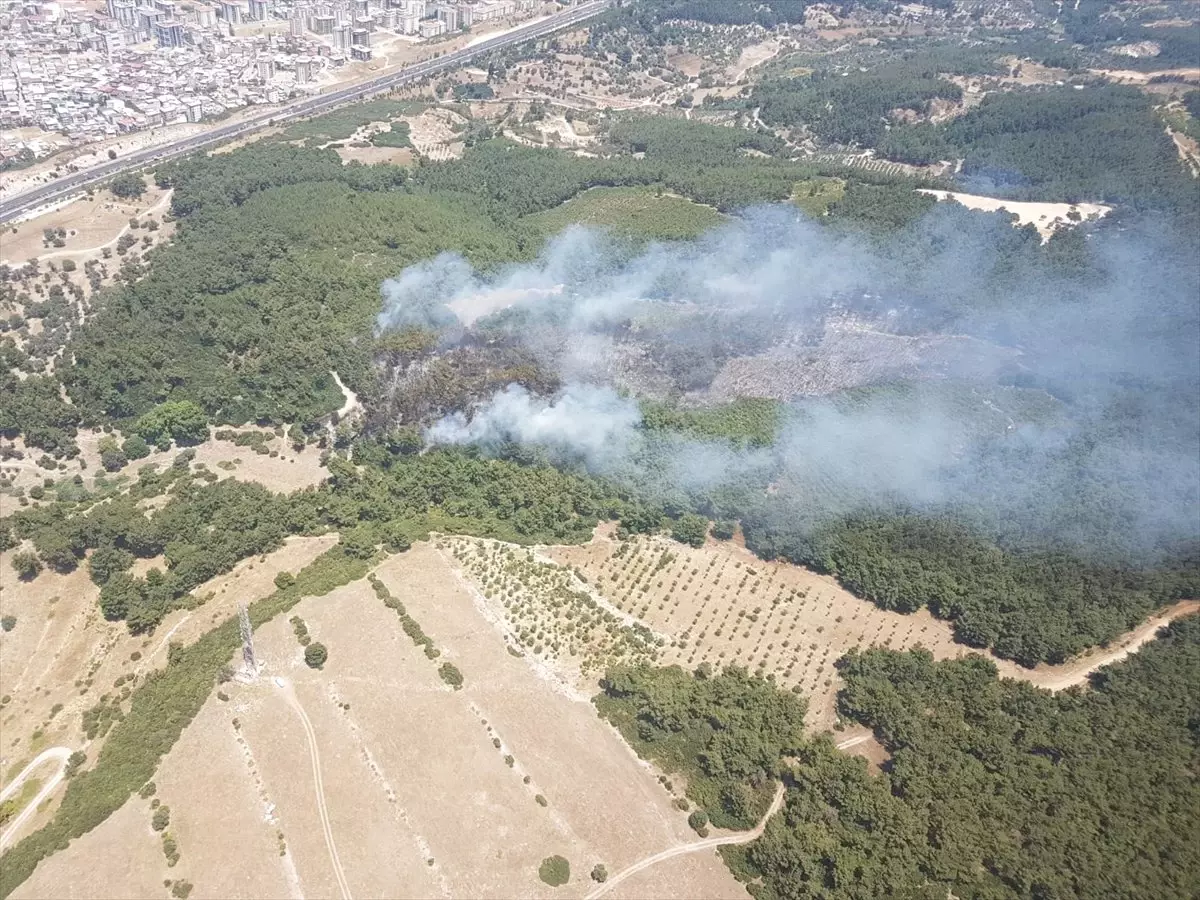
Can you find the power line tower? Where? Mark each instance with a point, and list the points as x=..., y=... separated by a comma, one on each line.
x=249, y=663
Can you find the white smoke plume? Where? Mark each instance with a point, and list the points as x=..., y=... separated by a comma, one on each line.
x=586, y=421
x=1125, y=342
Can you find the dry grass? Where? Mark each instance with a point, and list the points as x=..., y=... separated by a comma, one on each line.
x=371, y=156
x=63, y=653
x=90, y=224
x=285, y=472
x=421, y=799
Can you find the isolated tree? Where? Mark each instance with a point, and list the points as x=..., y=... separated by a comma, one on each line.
x=599, y=873
x=161, y=818
x=555, y=871
x=8, y=623
x=26, y=565
x=128, y=186
x=179, y=420
x=135, y=447
x=74, y=763
x=315, y=655
x=690, y=529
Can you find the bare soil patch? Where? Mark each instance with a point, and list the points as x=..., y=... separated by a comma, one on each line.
x=435, y=133
x=288, y=470
x=754, y=55
x=371, y=156
x=1045, y=217
x=688, y=63
x=430, y=791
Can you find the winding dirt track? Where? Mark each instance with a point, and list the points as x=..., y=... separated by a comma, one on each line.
x=315, y=757
x=59, y=753
x=743, y=837
x=1077, y=670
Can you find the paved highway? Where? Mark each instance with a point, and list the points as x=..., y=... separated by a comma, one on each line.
x=71, y=184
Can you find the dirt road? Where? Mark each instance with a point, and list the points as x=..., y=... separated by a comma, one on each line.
x=743, y=837
x=854, y=741
x=59, y=753
x=314, y=756
x=1076, y=671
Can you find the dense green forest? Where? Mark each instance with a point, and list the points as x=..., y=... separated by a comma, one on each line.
x=1099, y=143
x=993, y=788
x=250, y=329
x=850, y=107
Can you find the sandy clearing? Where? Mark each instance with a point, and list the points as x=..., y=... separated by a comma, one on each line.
x=433, y=134
x=1045, y=217
x=1134, y=77
x=372, y=156
x=861, y=741
x=752, y=56
x=97, y=223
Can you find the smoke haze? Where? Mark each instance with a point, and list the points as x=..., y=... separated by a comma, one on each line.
x=1103, y=334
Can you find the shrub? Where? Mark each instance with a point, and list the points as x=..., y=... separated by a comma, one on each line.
x=170, y=849
x=26, y=565
x=181, y=889
x=315, y=655
x=599, y=873
x=135, y=447
x=451, y=675
x=161, y=818
x=555, y=871
x=74, y=763
x=8, y=623
x=128, y=186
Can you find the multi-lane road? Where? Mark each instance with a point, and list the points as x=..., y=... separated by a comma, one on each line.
x=61, y=188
